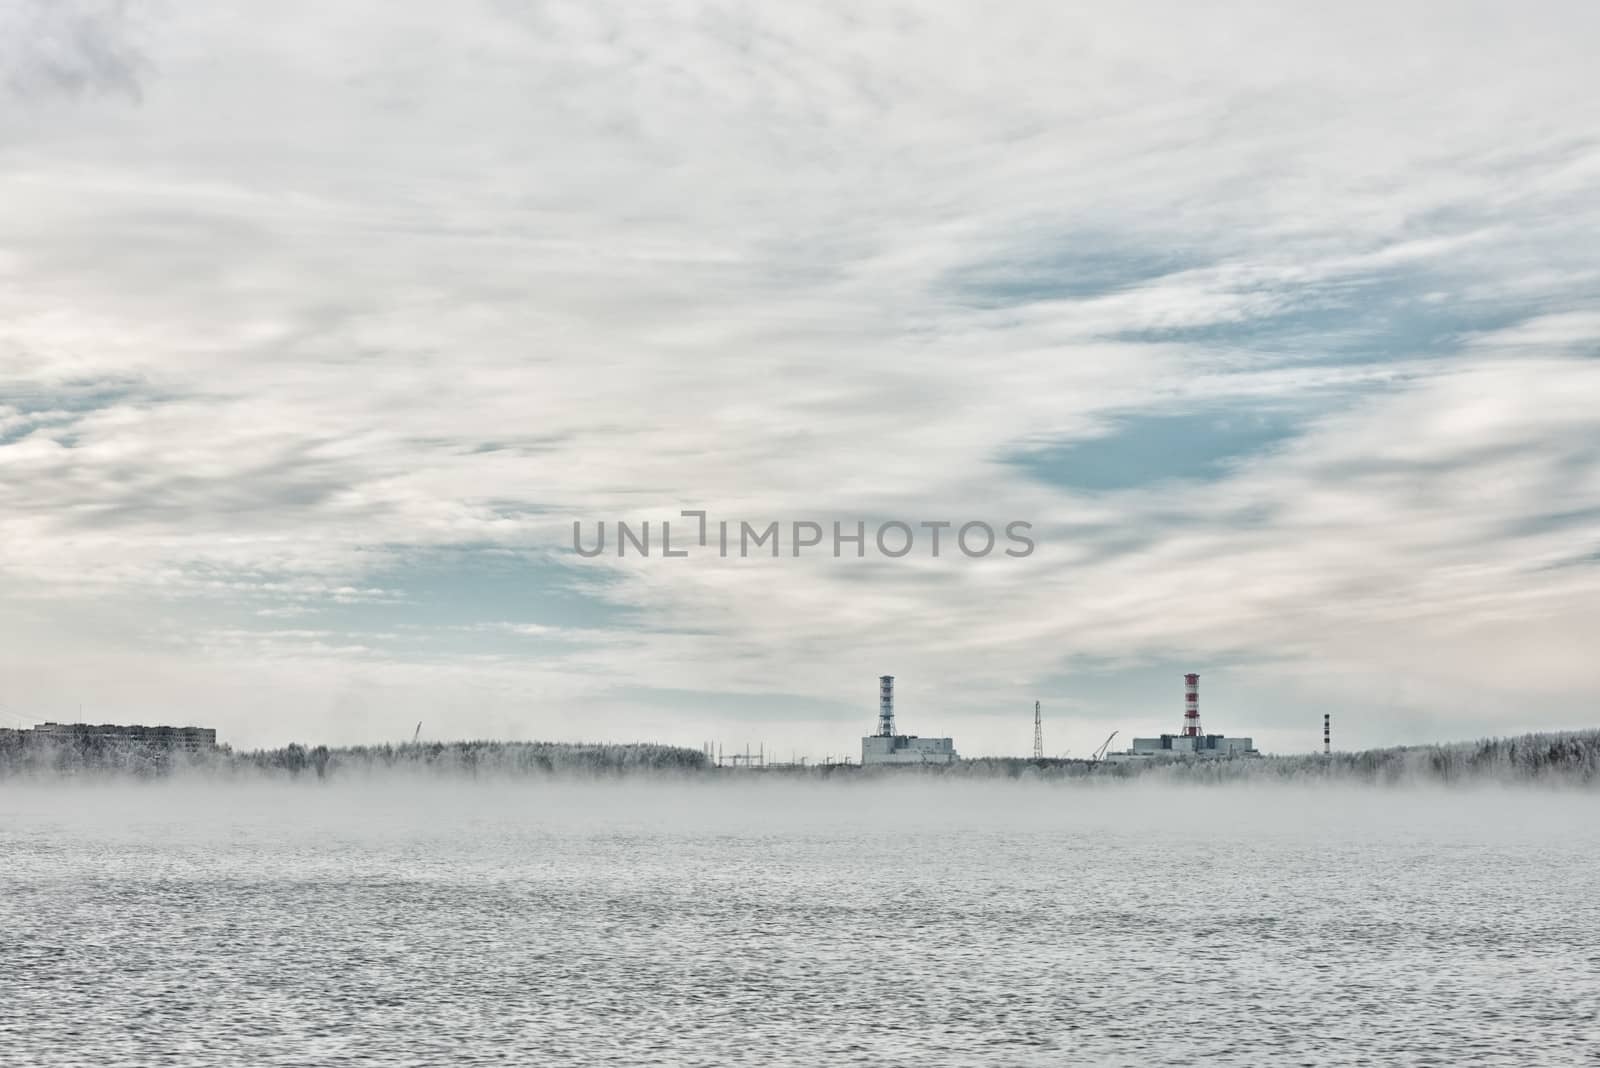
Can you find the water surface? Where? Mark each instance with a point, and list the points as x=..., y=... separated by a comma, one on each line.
x=925, y=923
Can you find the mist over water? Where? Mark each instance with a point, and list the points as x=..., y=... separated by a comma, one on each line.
x=756, y=921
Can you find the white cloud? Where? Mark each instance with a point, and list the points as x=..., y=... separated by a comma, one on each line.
x=334, y=290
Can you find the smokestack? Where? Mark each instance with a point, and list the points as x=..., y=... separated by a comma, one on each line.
x=885, y=706
x=1191, y=706
x=1327, y=735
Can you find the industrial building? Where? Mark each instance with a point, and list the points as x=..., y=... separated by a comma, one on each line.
x=186, y=739
x=887, y=747
x=1191, y=740
x=1196, y=745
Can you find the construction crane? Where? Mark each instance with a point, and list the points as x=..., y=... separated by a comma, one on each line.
x=1100, y=754
x=416, y=733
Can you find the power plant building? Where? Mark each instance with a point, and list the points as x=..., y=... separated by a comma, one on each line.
x=1191, y=741
x=887, y=748
x=1216, y=745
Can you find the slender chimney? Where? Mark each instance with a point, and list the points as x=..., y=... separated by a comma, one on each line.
x=1191, y=706
x=885, y=706
x=1327, y=735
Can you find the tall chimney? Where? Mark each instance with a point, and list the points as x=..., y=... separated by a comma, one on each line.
x=885, y=706
x=1191, y=706
x=1327, y=735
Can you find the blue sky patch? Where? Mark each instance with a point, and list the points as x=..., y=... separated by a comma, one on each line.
x=1144, y=448
x=1078, y=269
x=1362, y=319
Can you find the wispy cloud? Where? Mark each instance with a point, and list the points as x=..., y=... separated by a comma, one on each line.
x=70, y=48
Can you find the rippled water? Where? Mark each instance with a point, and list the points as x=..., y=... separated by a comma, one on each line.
x=908, y=923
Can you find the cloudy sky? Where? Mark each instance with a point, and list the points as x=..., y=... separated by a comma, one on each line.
x=317, y=334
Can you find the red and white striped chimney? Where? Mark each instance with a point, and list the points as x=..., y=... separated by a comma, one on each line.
x=1191, y=706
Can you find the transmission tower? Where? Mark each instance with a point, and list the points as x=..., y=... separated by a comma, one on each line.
x=1038, y=733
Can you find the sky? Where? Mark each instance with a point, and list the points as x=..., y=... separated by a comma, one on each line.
x=1279, y=327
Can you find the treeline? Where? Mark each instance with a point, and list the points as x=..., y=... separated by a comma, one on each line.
x=91, y=756
x=1570, y=757
x=479, y=758
x=24, y=752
